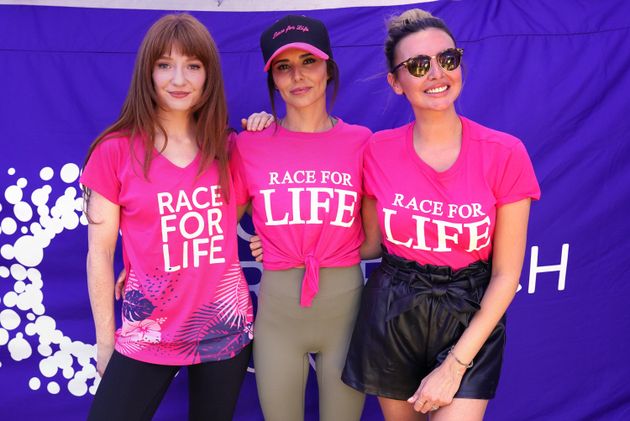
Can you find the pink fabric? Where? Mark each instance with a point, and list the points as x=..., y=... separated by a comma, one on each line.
x=186, y=300
x=306, y=191
x=445, y=218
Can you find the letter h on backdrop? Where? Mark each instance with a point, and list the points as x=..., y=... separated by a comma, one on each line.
x=535, y=269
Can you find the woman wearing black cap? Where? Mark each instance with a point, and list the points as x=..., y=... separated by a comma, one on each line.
x=303, y=178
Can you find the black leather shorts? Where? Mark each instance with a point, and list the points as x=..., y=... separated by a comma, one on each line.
x=410, y=316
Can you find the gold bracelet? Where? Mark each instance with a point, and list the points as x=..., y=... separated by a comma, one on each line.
x=450, y=351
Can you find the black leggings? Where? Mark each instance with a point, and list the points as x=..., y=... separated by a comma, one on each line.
x=133, y=390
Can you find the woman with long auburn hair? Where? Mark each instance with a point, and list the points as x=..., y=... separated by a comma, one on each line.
x=160, y=175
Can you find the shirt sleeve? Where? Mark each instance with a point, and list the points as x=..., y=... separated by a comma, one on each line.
x=368, y=170
x=517, y=180
x=101, y=172
x=241, y=190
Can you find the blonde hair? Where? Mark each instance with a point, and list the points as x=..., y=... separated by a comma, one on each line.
x=407, y=23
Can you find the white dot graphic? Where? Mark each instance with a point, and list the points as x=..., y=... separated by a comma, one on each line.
x=19, y=348
x=34, y=383
x=77, y=386
x=9, y=319
x=44, y=350
x=46, y=173
x=69, y=173
x=18, y=272
x=53, y=388
x=8, y=226
x=39, y=197
x=68, y=372
x=13, y=194
x=28, y=251
x=30, y=222
x=6, y=251
x=19, y=287
x=23, y=211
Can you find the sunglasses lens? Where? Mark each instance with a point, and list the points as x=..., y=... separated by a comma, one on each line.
x=419, y=66
x=449, y=59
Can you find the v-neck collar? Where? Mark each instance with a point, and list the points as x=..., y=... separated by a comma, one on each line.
x=426, y=167
x=158, y=155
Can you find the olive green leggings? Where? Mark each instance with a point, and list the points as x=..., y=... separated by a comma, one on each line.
x=286, y=333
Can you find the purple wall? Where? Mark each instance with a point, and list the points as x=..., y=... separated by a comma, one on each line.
x=554, y=74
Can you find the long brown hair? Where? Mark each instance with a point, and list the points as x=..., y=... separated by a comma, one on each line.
x=138, y=117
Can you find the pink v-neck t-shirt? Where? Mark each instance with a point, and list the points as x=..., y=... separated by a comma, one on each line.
x=186, y=300
x=306, y=191
x=445, y=218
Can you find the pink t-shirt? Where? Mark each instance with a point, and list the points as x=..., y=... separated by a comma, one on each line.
x=306, y=191
x=445, y=218
x=186, y=300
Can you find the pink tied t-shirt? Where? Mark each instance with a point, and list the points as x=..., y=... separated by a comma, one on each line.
x=306, y=191
x=186, y=299
x=448, y=217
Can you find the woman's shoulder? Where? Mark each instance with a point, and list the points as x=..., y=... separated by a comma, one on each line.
x=248, y=136
x=115, y=142
x=389, y=135
x=356, y=129
x=487, y=136
x=249, y=141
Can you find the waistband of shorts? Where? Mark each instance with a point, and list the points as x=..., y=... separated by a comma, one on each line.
x=475, y=274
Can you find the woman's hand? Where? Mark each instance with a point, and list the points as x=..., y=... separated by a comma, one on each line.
x=255, y=245
x=257, y=121
x=439, y=387
x=120, y=284
x=371, y=246
x=103, y=355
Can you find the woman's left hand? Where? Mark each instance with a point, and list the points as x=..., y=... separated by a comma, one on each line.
x=255, y=245
x=438, y=388
x=257, y=121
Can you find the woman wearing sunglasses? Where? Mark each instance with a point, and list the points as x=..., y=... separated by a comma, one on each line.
x=303, y=179
x=453, y=201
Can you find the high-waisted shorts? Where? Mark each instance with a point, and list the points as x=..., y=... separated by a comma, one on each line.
x=410, y=316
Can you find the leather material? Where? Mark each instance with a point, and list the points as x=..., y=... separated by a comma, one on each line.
x=410, y=316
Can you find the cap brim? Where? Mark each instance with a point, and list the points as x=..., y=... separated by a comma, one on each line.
x=297, y=45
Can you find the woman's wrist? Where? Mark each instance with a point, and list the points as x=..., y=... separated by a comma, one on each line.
x=455, y=364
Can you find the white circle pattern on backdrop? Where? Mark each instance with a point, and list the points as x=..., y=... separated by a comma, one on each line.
x=63, y=362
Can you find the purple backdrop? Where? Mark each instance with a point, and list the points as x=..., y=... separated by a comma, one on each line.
x=554, y=74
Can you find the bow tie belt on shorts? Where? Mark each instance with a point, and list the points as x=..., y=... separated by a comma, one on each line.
x=452, y=289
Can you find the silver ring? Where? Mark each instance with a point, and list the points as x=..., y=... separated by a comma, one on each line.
x=435, y=408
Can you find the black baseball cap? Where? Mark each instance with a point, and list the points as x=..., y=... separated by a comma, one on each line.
x=293, y=31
